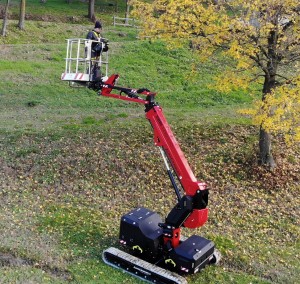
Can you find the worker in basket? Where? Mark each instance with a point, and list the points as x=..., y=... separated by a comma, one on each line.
x=99, y=45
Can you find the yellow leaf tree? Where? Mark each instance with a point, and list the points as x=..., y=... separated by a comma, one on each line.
x=263, y=39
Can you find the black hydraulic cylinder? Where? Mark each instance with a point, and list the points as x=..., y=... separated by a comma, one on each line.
x=174, y=185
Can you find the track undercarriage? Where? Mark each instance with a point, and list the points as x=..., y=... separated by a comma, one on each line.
x=152, y=260
x=140, y=268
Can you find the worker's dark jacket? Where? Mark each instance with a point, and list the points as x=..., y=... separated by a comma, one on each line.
x=97, y=47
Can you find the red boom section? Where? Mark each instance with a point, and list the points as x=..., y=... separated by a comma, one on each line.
x=164, y=137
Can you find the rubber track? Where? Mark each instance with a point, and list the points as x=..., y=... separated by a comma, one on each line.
x=140, y=268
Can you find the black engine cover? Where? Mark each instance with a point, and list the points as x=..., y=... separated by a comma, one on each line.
x=139, y=230
x=192, y=254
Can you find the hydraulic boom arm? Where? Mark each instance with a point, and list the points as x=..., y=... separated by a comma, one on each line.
x=191, y=210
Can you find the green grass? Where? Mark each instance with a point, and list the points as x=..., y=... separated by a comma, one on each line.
x=74, y=12
x=31, y=84
x=72, y=163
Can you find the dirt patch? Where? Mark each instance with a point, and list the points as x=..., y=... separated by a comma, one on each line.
x=5, y=49
x=9, y=260
x=6, y=170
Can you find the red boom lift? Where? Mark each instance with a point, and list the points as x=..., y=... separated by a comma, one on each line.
x=157, y=252
x=156, y=248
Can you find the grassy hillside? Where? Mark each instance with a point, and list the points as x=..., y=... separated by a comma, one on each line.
x=72, y=163
x=73, y=11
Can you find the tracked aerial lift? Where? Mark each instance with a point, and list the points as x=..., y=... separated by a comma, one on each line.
x=154, y=249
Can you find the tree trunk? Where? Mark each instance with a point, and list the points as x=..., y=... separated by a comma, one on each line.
x=265, y=154
x=127, y=12
x=116, y=6
x=5, y=19
x=91, y=14
x=22, y=15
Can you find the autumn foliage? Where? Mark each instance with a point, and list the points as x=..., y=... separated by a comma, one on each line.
x=262, y=40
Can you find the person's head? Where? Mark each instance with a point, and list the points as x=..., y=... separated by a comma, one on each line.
x=98, y=26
